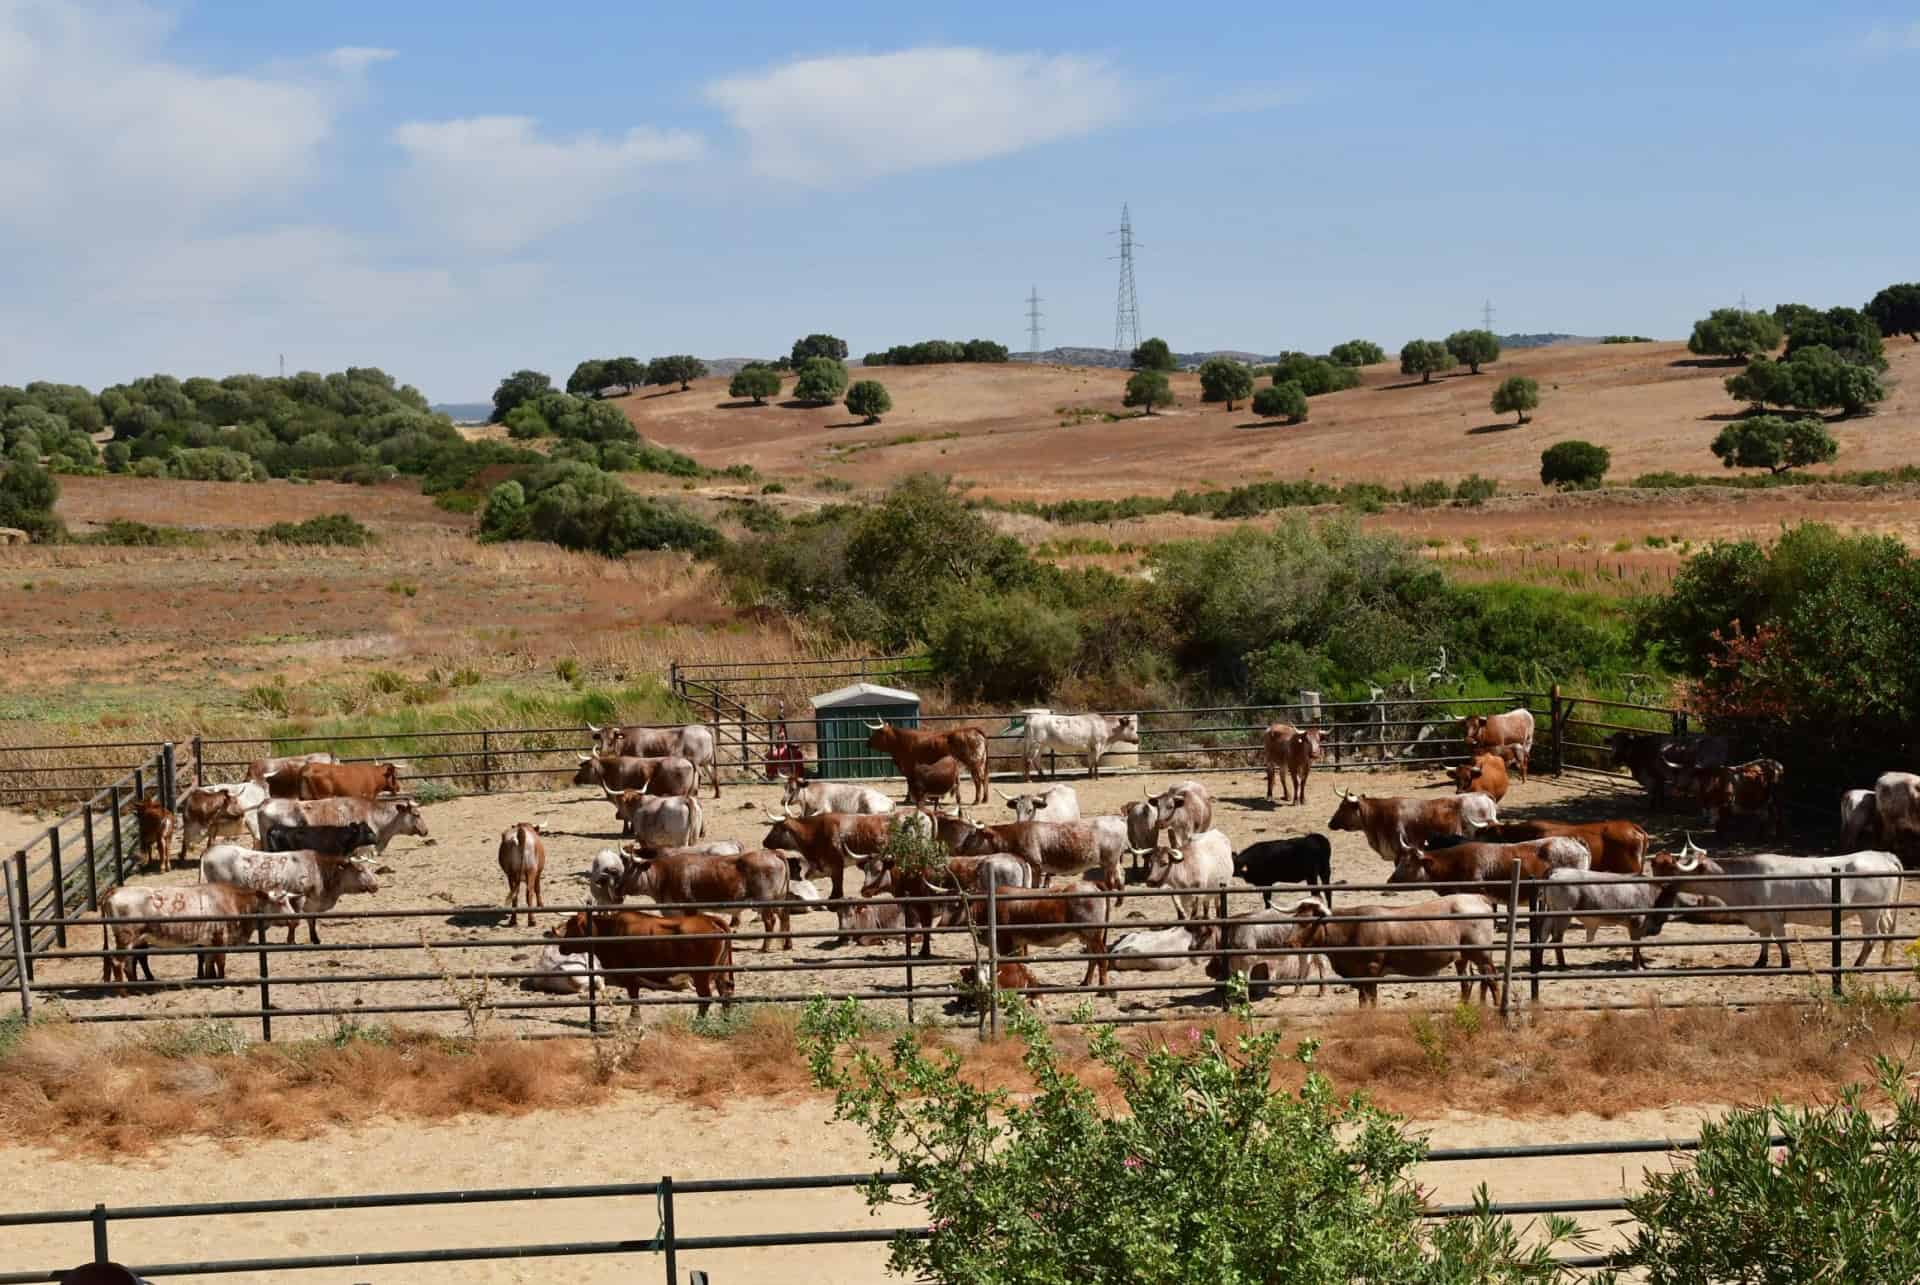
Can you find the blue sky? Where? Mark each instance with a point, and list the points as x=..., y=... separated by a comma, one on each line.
x=453, y=191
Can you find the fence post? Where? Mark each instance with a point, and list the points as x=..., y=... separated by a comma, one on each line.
x=23, y=910
x=16, y=918
x=59, y=888
x=119, y=848
x=486, y=761
x=93, y=862
x=666, y=1230
x=1534, y=949
x=167, y=792
x=140, y=782
x=993, y=960
x=199, y=761
x=593, y=1000
x=266, y=1004
x=1839, y=987
x=1226, y=990
x=100, y=1254
x=1559, y=761
x=1513, y=919
x=906, y=941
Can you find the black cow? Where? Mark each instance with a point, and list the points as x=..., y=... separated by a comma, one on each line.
x=1307, y=859
x=334, y=840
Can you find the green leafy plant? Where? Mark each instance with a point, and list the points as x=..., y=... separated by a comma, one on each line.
x=1153, y=355
x=335, y=529
x=1474, y=348
x=1730, y=332
x=1148, y=388
x=1574, y=463
x=868, y=398
x=1225, y=380
x=757, y=382
x=1517, y=395
x=822, y=379
x=1358, y=352
x=1281, y=400
x=1775, y=444
x=1425, y=358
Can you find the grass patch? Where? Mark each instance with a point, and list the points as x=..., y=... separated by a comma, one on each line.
x=329, y=529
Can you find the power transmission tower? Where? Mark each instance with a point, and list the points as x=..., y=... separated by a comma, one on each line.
x=1126, y=314
x=1486, y=316
x=1033, y=325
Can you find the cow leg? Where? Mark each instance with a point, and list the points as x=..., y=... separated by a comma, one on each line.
x=535, y=896
x=786, y=930
x=1557, y=934
x=1269, y=780
x=1369, y=993
x=1466, y=982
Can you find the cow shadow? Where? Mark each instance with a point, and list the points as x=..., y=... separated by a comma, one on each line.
x=478, y=917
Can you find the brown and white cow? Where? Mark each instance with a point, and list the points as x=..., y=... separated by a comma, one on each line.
x=829, y=841
x=1486, y=774
x=1290, y=750
x=1023, y=919
x=523, y=856
x=909, y=746
x=1491, y=865
x=1616, y=847
x=615, y=773
x=219, y=812
x=1049, y=848
x=348, y=780
x=280, y=777
x=210, y=916
x=970, y=876
x=387, y=818
x=1492, y=732
x=313, y=881
x=155, y=823
x=1746, y=789
x=683, y=878
x=666, y=948
x=1182, y=810
x=694, y=742
x=1398, y=829
x=1372, y=942
x=1012, y=975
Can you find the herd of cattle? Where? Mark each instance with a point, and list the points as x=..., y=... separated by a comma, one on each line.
x=1045, y=877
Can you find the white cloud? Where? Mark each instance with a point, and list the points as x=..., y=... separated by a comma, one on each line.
x=495, y=184
x=1890, y=37
x=354, y=59
x=822, y=120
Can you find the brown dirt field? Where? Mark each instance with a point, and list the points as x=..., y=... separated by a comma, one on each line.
x=455, y=875
x=1638, y=400
x=88, y=502
x=636, y=1139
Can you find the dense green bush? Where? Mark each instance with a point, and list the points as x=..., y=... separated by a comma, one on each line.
x=1474, y=348
x=1425, y=358
x=1896, y=310
x=1516, y=394
x=1848, y=333
x=931, y=352
x=757, y=382
x=1358, y=352
x=1814, y=378
x=28, y=494
x=1314, y=375
x=1730, y=332
x=139, y=535
x=1224, y=380
x=1154, y=354
x=1281, y=400
x=577, y=506
x=1003, y=647
x=822, y=379
x=1775, y=444
x=680, y=368
x=868, y=399
x=1574, y=463
x=338, y=529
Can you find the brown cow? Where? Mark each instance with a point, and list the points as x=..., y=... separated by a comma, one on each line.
x=215, y=812
x=931, y=783
x=1492, y=732
x=523, y=855
x=1491, y=865
x=281, y=776
x=1012, y=975
x=1293, y=750
x=207, y=915
x=668, y=947
x=967, y=874
x=685, y=878
x=1486, y=774
x=1401, y=941
x=878, y=922
x=156, y=830
x=1617, y=847
x=909, y=745
x=348, y=780
x=615, y=773
x=1049, y=847
x=1746, y=789
x=829, y=840
x=1397, y=829
x=1076, y=913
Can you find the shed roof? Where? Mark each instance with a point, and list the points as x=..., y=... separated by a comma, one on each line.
x=864, y=694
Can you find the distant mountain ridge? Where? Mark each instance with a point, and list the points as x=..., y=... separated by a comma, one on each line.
x=1119, y=360
x=464, y=412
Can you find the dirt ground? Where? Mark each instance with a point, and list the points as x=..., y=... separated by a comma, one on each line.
x=455, y=878
x=637, y=1141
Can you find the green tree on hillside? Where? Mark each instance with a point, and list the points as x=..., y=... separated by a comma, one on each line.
x=1896, y=310
x=828, y=346
x=757, y=382
x=1153, y=355
x=1279, y=400
x=1815, y=378
x=1775, y=444
x=869, y=398
x=1574, y=463
x=514, y=389
x=680, y=369
x=1358, y=352
x=1729, y=332
x=1517, y=394
x=1474, y=348
x=588, y=378
x=1314, y=375
x=1425, y=358
x=1225, y=380
x=1851, y=334
x=1148, y=389
x=822, y=379
x=28, y=494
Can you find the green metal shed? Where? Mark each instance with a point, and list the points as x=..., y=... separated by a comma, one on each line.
x=840, y=720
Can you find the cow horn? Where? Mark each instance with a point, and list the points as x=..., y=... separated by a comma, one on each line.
x=1177, y=854
x=777, y=819
x=610, y=793
x=874, y=727
x=1686, y=863
x=593, y=729
x=1002, y=793
x=586, y=758
x=1139, y=852
x=1146, y=794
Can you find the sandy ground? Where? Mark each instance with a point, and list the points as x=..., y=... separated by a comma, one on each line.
x=455, y=877
x=634, y=1140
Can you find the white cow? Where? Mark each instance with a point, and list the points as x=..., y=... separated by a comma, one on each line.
x=314, y=881
x=1190, y=872
x=562, y=974
x=1153, y=950
x=1055, y=803
x=1806, y=882
x=1859, y=818
x=1087, y=735
x=385, y=817
x=815, y=797
x=1257, y=944
x=1595, y=900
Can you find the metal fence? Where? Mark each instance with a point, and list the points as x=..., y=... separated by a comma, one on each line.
x=427, y=975
x=660, y=1206
x=67, y=865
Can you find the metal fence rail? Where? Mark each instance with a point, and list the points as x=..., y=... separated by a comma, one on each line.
x=665, y=1240
x=1512, y=952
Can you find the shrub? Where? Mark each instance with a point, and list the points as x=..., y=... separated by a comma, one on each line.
x=1517, y=394
x=28, y=494
x=1225, y=380
x=338, y=529
x=1281, y=400
x=1896, y=310
x=1204, y=1172
x=1153, y=355
x=868, y=398
x=1474, y=490
x=1148, y=388
x=577, y=506
x=832, y=348
x=121, y=531
x=520, y=386
x=1425, y=358
x=1625, y=339
x=1814, y=378
x=1358, y=352
x=757, y=382
x=822, y=379
x=1474, y=348
x=1574, y=463
x=1730, y=332
x=1775, y=444
x=1002, y=647
x=1850, y=333
x=1314, y=375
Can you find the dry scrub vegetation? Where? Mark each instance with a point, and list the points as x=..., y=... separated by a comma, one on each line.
x=74, y=1090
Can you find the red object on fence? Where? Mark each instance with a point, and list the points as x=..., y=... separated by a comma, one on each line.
x=784, y=759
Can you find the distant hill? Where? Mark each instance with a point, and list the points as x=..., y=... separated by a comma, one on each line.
x=464, y=412
x=1118, y=360
x=1548, y=339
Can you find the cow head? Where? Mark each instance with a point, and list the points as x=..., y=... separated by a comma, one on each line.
x=791, y=795
x=606, y=740
x=1476, y=729
x=626, y=803
x=1125, y=727
x=786, y=833
x=879, y=873
x=1465, y=775
x=1160, y=863
x=389, y=778
x=1348, y=815
x=1311, y=738
x=590, y=772
x=353, y=874
x=1023, y=806
x=881, y=737
x=1415, y=869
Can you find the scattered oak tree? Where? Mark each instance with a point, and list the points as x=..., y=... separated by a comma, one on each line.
x=680, y=369
x=757, y=382
x=829, y=346
x=588, y=378
x=1815, y=378
x=822, y=379
x=1224, y=380
x=1775, y=444
x=1148, y=388
x=1315, y=375
x=1730, y=332
x=1574, y=463
x=1153, y=355
x=1281, y=400
x=1425, y=358
x=1896, y=310
x=1358, y=352
x=27, y=496
x=1850, y=333
x=1474, y=348
x=518, y=387
x=869, y=398
x=1517, y=394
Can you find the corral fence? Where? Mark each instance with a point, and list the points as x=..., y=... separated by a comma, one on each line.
x=420, y=973
x=658, y=1203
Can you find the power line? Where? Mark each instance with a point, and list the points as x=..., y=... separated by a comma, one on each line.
x=1033, y=324
x=1486, y=315
x=1126, y=313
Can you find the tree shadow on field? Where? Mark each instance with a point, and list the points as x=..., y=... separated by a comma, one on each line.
x=794, y=403
x=745, y=404
x=1731, y=416
x=1267, y=423
x=665, y=392
x=1417, y=383
x=1504, y=426
x=1708, y=363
